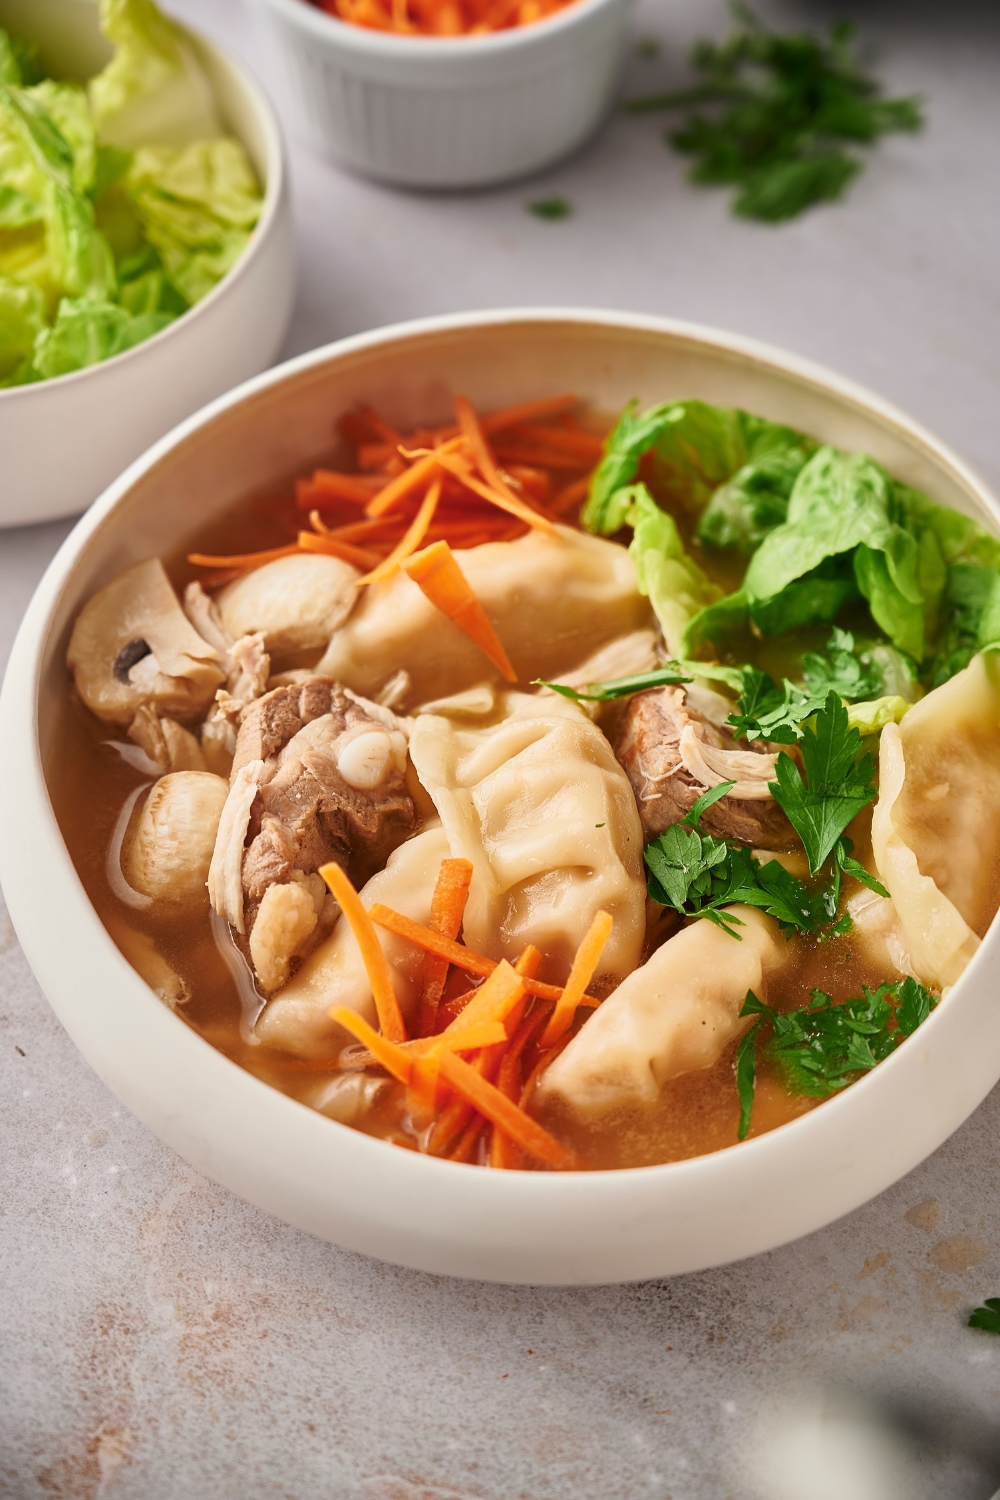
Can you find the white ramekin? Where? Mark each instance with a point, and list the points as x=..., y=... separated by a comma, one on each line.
x=448, y=112
x=62, y=441
x=335, y=1182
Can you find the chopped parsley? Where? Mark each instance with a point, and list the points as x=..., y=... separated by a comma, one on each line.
x=618, y=687
x=840, y=781
x=783, y=109
x=987, y=1317
x=550, y=208
x=826, y=1046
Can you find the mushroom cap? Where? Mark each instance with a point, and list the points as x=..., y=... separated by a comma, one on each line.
x=174, y=836
x=132, y=644
x=298, y=602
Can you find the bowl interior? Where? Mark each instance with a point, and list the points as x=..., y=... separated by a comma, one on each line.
x=651, y=1220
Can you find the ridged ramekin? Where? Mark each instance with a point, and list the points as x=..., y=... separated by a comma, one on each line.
x=448, y=112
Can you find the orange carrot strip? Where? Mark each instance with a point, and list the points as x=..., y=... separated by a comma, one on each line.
x=501, y=1111
x=492, y=1001
x=469, y=424
x=502, y=498
x=539, y=458
x=404, y=484
x=588, y=446
x=447, y=910
x=456, y=953
x=329, y=485
x=528, y=411
x=541, y=1064
x=438, y=575
x=588, y=954
x=358, y=557
x=386, y=1052
x=380, y=426
x=376, y=964
x=242, y=560
x=411, y=541
x=570, y=496
x=466, y=1148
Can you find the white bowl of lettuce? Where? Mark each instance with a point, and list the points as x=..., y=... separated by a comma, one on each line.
x=145, y=241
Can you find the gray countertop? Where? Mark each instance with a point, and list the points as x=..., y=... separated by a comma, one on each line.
x=160, y=1338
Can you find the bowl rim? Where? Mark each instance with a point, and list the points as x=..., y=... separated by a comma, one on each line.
x=362, y=41
x=274, y=193
x=716, y=1172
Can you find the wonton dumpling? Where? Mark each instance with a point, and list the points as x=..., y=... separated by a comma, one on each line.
x=936, y=826
x=546, y=815
x=674, y=1015
x=298, y=1017
x=553, y=601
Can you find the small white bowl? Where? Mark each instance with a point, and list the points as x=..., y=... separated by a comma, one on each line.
x=448, y=112
x=324, y=1177
x=62, y=441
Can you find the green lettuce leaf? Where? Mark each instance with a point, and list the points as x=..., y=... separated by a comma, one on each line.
x=19, y=63
x=66, y=106
x=22, y=318
x=675, y=585
x=87, y=331
x=197, y=206
x=695, y=448
x=61, y=251
x=154, y=90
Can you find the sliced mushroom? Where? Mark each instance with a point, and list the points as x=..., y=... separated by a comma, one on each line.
x=174, y=837
x=298, y=602
x=132, y=644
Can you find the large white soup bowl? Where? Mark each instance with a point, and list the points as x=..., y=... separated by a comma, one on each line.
x=324, y=1177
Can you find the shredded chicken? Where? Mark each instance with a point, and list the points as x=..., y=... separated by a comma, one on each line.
x=167, y=743
x=672, y=754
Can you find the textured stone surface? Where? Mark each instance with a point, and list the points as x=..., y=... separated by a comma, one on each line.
x=159, y=1338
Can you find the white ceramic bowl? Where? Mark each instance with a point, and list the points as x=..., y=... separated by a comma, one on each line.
x=448, y=112
x=63, y=440
x=324, y=1177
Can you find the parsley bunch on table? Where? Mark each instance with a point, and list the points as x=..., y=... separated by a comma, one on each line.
x=825, y=1046
x=785, y=110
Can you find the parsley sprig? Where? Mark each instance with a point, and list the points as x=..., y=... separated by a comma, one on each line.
x=698, y=875
x=618, y=687
x=827, y=1045
x=786, y=108
x=839, y=782
x=766, y=711
x=988, y=1316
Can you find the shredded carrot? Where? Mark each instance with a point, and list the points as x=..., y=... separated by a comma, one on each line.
x=447, y=910
x=358, y=557
x=380, y=426
x=501, y=1111
x=492, y=1001
x=570, y=496
x=411, y=479
x=391, y=1056
x=585, y=962
x=586, y=446
x=456, y=953
x=466, y=1148
x=411, y=541
x=528, y=411
x=543, y=458
x=436, y=572
x=376, y=964
x=333, y=487
x=242, y=560
x=469, y=425
x=502, y=498
x=539, y=1067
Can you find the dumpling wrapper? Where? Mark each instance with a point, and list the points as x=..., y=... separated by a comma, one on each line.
x=297, y=1019
x=674, y=1015
x=553, y=602
x=546, y=815
x=936, y=825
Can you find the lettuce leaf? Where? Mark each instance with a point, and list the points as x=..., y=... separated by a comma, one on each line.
x=18, y=61
x=66, y=106
x=694, y=449
x=197, y=206
x=675, y=585
x=61, y=249
x=22, y=318
x=87, y=331
x=154, y=90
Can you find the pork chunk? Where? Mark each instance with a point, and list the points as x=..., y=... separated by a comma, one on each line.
x=331, y=788
x=661, y=731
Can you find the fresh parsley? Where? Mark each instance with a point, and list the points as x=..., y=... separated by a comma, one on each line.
x=827, y=1045
x=618, y=687
x=988, y=1316
x=840, y=671
x=698, y=875
x=839, y=782
x=550, y=208
x=786, y=108
x=766, y=711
